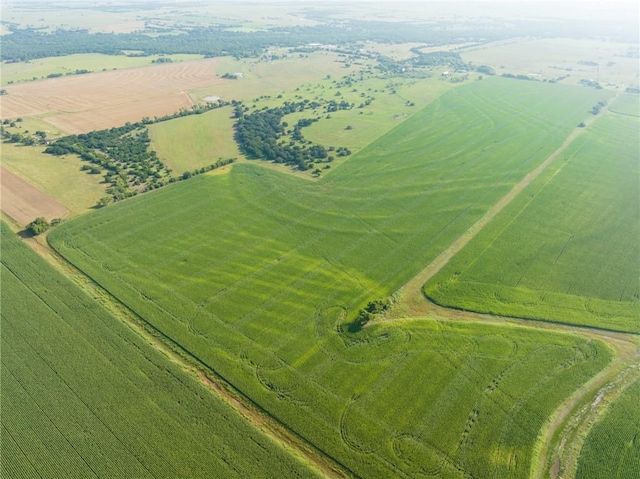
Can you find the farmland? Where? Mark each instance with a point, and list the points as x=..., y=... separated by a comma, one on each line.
x=365, y=240
x=111, y=98
x=611, y=449
x=259, y=274
x=84, y=396
x=579, y=264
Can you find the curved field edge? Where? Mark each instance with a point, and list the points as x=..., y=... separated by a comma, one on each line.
x=564, y=250
x=612, y=447
x=85, y=396
x=257, y=274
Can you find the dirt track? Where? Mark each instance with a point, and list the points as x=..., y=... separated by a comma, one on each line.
x=24, y=202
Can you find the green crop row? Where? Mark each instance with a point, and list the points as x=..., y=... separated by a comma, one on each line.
x=83, y=396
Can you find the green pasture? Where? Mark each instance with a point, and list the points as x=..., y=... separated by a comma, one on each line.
x=567, y=248
x=84, y=396
x=258, y=274
x=191, y=142
x=40, y=68
x=612, y=448
x=58, y=176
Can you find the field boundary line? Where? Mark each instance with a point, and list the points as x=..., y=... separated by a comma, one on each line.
x=193, y=366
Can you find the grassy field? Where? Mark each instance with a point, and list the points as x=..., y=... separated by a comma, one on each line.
x=40, y=68
x=59, y=177
x=258, y=274
x=191, y=142
x=612, y=448
x=84, y=396
x=566, y=250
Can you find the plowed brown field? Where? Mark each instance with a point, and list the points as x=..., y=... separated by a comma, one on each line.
x=81, y=103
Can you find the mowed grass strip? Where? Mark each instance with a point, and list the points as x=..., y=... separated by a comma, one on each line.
x=612, y=448
x=566, y=250
x=84, y=396
x=258, y=273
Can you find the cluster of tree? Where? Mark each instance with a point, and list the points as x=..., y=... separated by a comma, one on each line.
x=27, y=139
x=369, y=312
x=431, y=59
x=597, y=107
x=485, y=70
x=257, y=134
x=591, y=84
x=123, y=154
x=517, y=77
x=40, y=225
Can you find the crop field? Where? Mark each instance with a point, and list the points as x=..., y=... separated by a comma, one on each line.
x=259, y=274
x=82, y=103
x=60, y=177
x=38, y=69
x=566, y=250
x=612, y=449
x=84, y=396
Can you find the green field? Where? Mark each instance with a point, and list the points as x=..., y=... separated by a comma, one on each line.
x=191, y=142
x=258, y=274
x=84, y=396
x=40, y=68
x=567, y=248
x=612, y=448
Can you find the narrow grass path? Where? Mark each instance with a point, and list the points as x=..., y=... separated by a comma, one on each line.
x=560, y=441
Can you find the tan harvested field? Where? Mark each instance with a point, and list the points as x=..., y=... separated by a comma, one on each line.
x=82, y=103
x=24, y=203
